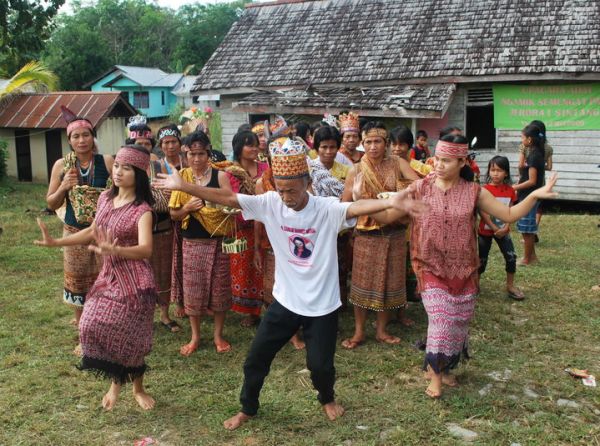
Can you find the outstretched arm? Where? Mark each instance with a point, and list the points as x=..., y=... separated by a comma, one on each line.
x=388, y=210
x=175, y=182
x=487, y=202
x=83, y=237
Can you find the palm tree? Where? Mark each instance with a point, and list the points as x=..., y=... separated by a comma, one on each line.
x=33, y=76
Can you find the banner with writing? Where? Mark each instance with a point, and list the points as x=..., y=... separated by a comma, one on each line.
x=560, y=107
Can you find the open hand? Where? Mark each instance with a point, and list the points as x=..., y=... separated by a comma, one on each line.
x=545, y=192
x=106, y=243
x=414, y=208
x=169, y=182
x=46, y=240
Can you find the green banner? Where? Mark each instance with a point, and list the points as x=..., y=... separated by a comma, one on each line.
x=560, y=107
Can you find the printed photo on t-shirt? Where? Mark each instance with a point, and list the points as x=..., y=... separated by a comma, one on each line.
x=301, y=247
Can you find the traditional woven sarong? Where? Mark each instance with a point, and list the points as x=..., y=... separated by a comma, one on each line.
x=246, y=280
x=450, y=305
x=206, y=282
x=161, y=261
x=268, y=275
x=116, y=325
x=177, y=265
x=81, y=267
x=378, y=270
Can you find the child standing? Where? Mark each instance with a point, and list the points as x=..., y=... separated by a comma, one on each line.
x=498, y=179
x=420, y=150
x=531, y=178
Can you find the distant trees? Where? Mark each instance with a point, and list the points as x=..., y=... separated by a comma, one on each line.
x=135, y=32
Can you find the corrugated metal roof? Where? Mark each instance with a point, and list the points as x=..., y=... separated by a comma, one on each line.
x=42, y=110
x=334, y=42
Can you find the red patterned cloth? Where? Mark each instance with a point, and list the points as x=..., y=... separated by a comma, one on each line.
x=161, y=261
x=443, y=240
x=206, y=282
x=116, y=324
x=177, y=265
x=81, y=268
x=246, y=280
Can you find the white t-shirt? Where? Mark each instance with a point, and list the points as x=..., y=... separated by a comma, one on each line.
x=305, y=247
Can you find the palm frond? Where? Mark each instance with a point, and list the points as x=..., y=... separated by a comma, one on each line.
x=34, y=75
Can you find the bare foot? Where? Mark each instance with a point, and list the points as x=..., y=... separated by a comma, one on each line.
x=78, y=351
x=188, y=349
x=110, y=399
x=145, y=401
x=179, y=311
x=333, y=410
x=297, y=343
x=447, y=378
x=236, y=421
x=352, y=343
x=434, y=391
x=222, y=346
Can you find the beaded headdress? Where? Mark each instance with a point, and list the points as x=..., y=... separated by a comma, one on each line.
x=451, y=149
x=288, y=159
x=349, y=122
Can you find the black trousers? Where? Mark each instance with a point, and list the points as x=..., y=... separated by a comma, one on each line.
x=275, y=330
x=506, y=247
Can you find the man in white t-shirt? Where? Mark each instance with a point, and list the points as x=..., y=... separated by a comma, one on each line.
x=303, y=232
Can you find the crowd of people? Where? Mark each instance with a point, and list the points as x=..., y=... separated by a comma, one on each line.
x=303, y=220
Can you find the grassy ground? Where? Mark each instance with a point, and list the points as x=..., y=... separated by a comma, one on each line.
x=45, y=400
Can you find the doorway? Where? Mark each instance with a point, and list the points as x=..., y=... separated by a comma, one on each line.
x=53, y=149
x=23, y=150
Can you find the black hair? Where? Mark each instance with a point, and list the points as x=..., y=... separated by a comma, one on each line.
x=200, y=137
x=303, y=130
x=502, y=163
x=142, y=182
x=542, y=128
x=326, y=133
x=402, y=135
x=241, y=139
x=245, y=128
x=537, y=137
x=316, y=125
x=466, y=173
x=170, y=127
x=421, y=133
x=448, y=130
x=373, y=125
x=362, y=122
x=299, y=238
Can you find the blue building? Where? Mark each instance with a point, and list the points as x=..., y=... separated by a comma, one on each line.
x=150, y=90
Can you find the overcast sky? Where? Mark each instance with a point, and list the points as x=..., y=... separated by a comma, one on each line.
x=168, y=3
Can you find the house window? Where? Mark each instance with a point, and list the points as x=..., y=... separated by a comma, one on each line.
x=480, y=117
x=162, y=98
x=141, y=99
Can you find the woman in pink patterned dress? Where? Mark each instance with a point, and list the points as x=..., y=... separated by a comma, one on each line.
x=444, y=254
x=116, y=324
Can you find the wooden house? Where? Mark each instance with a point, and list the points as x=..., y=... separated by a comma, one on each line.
x=35, y=130
x=486, y=66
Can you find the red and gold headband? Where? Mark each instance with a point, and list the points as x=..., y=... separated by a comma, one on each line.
x=451, y=149
x=374, y=132
x=78, y=123
x=133, y=157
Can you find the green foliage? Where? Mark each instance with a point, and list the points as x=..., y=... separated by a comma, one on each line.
x=134, y=32
x=3, y=159
x=176, y=112
x=33, y=76
x=24, y=27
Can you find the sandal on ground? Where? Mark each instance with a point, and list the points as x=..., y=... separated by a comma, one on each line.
x=223, y=348
x=350, y=344
x=518, y=295
x=391, y=340
x=172, y=326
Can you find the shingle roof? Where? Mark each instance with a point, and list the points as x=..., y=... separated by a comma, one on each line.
x=429, y=100
x=42, y=110
x=344, y=41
